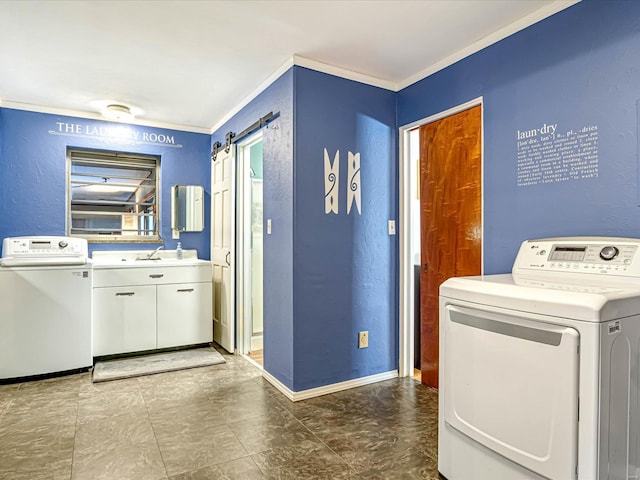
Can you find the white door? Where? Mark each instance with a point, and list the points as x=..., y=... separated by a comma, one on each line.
x=223, y=207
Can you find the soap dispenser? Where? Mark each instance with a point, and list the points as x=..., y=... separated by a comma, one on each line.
x=179, y=251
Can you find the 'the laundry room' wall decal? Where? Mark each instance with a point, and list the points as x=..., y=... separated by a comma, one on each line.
x=332, y=182
x=114, y=134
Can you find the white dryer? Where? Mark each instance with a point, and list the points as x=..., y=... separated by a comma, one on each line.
x=539, y=369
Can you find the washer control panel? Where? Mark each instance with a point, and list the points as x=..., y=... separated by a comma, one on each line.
x=41, y=250
x=580, y=255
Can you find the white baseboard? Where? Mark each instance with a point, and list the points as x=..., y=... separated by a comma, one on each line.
x=326, y=389
x=252, y=362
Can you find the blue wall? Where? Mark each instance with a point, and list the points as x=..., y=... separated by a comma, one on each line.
x=345, y=265
x=577, y=68
x=33, y=180
x=278, y=206
x=326, y=277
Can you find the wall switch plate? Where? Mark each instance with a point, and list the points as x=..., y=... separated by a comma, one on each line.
x=392, y=227
x=268, y=226
x=363, y=339
x=175, y=234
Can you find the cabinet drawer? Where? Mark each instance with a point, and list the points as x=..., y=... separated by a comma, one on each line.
x=111, y=277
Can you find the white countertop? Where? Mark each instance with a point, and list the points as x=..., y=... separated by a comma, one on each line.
x=139, y=259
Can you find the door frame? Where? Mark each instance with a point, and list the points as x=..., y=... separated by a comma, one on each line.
x=406, y=290
x=243, y=261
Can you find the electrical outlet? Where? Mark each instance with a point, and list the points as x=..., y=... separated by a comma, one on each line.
x=363, y=339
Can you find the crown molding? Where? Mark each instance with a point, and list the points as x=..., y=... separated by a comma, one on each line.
x=96, y=116
x=298, y=60
x=301, y=61
x=257, y=91
x=344, y=73
x=495, y=37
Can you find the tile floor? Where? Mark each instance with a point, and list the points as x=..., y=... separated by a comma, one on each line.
x=219, y=422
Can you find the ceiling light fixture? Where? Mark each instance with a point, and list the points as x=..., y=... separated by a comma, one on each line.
x=117, y=111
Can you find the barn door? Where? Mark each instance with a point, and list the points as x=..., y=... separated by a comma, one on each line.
x=223, y=240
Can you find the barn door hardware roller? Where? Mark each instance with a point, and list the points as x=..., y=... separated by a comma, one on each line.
x=231, y=137
x=227, y=139
x=216, y=149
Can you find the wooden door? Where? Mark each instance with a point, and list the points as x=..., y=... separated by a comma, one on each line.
x=450, y=218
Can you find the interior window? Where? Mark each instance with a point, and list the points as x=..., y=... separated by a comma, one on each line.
x=112, y=196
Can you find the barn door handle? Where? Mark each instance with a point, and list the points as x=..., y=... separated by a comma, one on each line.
x=425, y=267
x=226, y=259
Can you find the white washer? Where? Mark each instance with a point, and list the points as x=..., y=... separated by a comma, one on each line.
x=539, y=369
x=45, y=307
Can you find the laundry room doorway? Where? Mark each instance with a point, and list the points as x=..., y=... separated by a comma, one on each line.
x=440, y=225
x=250, y=244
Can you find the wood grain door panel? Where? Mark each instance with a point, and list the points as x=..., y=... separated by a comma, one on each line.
x=450, y=218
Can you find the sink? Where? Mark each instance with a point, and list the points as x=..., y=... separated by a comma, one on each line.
x=140, y=258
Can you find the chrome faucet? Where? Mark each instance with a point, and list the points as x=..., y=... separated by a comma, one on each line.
x=150, y=256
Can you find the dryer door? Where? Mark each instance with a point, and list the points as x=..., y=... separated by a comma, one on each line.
x=511, y=384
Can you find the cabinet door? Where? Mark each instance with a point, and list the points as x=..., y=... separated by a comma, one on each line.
x=184, y=314
x=124, y=319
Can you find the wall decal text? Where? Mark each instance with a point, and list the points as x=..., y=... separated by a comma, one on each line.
x=546, y=154
x=118, y=134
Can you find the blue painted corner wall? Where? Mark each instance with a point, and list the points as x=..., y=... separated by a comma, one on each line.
x=327, y=277
x=278, y=191
x=576, y=69
x=33, y=182
x=345, y=264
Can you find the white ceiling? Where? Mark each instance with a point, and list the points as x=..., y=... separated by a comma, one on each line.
x=188, y=64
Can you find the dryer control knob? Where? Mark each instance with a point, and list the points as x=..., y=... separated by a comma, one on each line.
x=609, y=253
x=62, y=244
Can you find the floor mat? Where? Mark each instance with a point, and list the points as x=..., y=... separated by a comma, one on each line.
x=155, y=363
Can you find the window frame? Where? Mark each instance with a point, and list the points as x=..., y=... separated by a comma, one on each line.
x=75, y=154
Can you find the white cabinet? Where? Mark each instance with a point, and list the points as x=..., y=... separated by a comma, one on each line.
x=124, y=319
x=184, y=314
x=147, y=308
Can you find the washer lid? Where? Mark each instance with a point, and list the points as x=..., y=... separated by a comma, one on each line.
x=591, y=303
